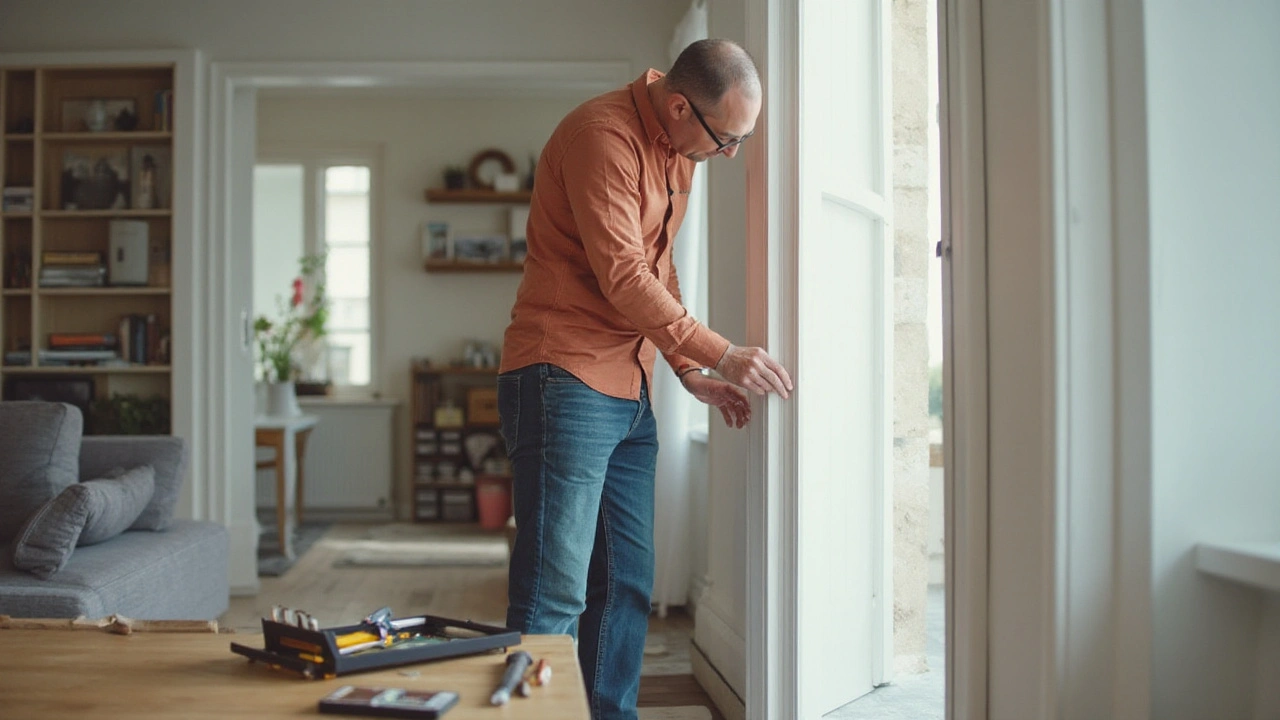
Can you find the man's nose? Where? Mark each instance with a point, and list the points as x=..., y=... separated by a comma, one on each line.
x=730, y=151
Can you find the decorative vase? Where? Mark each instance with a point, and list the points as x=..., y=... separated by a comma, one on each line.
x=282, y=400
x=95, y=116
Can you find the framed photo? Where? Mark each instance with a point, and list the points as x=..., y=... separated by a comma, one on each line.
x=479, y=248
x=95, y=179
x=98, y=115
x=151, y=170
x=518, y=221
x=435, y=241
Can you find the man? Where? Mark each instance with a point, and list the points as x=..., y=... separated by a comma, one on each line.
x=599, y=293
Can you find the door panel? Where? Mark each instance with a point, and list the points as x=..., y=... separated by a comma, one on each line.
x=844, y=368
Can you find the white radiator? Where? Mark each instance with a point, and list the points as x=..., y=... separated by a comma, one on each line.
x=350, y=459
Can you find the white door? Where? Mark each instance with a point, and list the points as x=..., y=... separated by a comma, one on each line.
x=844, y=342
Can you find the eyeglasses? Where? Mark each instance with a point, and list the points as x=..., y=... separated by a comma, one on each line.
x=721, y=145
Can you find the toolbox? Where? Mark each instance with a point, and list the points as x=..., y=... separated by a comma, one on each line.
x=329, y=652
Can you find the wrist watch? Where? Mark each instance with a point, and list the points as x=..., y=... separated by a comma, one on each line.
x=688, y=371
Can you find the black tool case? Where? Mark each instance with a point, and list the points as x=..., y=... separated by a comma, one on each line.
x=314, y=653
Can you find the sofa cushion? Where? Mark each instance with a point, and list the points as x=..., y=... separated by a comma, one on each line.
x=180, y=573
x=39, y=457
x=100, y=455
x=83, y=514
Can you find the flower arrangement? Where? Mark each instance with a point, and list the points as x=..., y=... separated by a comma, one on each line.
x=302, y=319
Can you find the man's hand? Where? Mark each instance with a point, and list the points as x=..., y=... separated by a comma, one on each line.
x=753, y=369
x=729, y=400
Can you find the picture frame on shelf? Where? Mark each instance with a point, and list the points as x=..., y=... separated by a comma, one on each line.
x=435, y=241
x=151, y=170
x=479, y=248
x=95, y=179
x=98, y=115
x=518, y=222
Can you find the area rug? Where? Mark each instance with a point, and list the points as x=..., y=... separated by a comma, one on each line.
x=271, y=561
x=684, y=712
x=400, y=546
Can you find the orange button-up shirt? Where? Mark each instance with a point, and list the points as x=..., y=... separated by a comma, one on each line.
x=599, y=289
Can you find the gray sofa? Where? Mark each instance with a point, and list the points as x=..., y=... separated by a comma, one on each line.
x=156, y=568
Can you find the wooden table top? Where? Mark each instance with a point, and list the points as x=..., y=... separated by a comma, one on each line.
x=65, y=673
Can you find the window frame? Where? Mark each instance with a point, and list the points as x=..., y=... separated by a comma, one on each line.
x=314, y=161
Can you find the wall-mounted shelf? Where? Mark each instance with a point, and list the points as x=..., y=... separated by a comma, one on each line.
x=441, y=195
x=449, y=266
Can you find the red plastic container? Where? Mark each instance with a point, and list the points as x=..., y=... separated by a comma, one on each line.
x=493, y=501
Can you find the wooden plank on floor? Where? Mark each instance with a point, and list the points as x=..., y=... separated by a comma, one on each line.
x=674, y=691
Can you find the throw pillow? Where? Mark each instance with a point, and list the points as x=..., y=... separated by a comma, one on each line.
x=83, y=514
x=40, y=447
x=114, y=504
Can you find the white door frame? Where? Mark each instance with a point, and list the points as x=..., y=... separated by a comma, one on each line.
x=964, y=308
x=773, y=37
x=231, y=93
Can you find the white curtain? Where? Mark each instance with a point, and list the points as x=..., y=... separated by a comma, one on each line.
x=672, y=406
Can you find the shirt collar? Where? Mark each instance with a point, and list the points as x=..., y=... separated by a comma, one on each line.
x=648, y=115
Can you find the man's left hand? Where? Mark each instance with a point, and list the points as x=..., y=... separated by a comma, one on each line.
x=726, y=397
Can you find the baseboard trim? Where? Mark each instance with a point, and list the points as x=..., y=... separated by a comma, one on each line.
x=727, y=701
x=245, y=590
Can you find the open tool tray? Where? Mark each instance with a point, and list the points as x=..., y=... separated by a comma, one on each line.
x=315, y=653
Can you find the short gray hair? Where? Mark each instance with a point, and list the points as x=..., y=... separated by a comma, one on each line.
x=707, y=69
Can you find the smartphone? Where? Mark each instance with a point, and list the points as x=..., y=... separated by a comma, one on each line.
x=387, y=702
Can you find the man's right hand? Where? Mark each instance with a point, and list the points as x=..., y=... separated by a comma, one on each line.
x=752, y=368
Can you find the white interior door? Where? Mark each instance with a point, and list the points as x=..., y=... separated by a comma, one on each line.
x=844, y=297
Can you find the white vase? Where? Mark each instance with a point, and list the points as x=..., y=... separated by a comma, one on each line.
x=282, y=400
x=95, y=116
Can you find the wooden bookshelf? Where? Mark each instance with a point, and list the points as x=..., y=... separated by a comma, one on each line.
x=84, y=170
x=444, y=476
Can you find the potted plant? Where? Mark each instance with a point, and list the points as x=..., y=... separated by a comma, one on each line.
x=129, y=414
x=455, y=177
x=302, y=320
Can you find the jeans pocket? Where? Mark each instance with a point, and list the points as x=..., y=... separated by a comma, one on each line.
x=509, y=409
x=557, y=374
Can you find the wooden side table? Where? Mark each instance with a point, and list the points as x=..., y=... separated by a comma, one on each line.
x=287, y=436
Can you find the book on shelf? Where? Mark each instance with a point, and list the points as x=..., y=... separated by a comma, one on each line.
x=82, y=341
x=62, y=257
x=73, y=275
x=141, y=339
x=18, y=199
x=163, y=118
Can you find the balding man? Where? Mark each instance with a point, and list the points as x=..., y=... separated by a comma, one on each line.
x=599, y=294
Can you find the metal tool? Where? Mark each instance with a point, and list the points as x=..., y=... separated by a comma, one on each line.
x=517, y=663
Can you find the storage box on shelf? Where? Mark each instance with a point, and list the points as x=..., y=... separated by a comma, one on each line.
x=87, y=226
x=456, y=440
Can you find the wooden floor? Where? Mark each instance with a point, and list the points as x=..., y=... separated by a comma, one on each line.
x=339, y=596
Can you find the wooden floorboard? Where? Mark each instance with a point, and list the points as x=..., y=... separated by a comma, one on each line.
x=341, y=596
x=674, y=691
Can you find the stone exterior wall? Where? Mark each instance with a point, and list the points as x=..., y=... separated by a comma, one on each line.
x=911, y=117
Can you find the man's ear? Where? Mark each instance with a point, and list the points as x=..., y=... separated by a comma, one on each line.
x=677, y=105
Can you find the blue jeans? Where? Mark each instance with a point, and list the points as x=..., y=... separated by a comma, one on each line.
x=583, y=465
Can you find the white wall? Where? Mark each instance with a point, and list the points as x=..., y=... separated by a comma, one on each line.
x=1212, y=103
x=423, y=315
x=369, y=30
